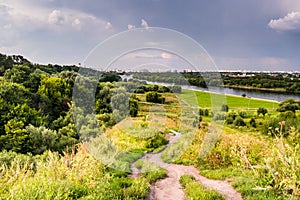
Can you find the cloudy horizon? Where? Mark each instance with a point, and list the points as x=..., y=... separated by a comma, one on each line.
x=244, y=35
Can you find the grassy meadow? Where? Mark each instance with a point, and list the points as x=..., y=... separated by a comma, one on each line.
x=204, y=100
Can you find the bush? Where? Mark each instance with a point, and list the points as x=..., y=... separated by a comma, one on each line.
x=239, y=121
x=133, y=107
x=224, y=108
x=232, y=115
x=154, y=97
x=219, y=116
x=156, y=141
x=253, y=122
x=206, y=112
x=229, y=120
x=262, y=111
x=243, y=114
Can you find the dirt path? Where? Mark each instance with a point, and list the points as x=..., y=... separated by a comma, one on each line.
x=169, y=188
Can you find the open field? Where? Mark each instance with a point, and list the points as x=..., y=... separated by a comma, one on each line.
x=205, y=100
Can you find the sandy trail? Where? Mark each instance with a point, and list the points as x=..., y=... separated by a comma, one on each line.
x=169, y=188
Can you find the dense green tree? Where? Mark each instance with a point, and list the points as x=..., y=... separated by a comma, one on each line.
x=13, y=93
x=55, y=95
x=262, y=111
x=239, y=121
x=110, y=77
x=41, y=139
x=133, y=107
x=289, y=105
x=15, y=137
x=154, y=97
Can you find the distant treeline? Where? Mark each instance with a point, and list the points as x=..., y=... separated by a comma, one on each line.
x=186, y=78
x=285, y=82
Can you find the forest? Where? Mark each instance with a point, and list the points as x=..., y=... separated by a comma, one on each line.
x=56, y=145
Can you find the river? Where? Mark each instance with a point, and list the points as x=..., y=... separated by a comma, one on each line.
x=233, y=91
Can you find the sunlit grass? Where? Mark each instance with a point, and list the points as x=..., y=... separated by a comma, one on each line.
x=205, y=100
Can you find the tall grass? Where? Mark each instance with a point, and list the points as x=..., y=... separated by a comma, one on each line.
x=72, y=176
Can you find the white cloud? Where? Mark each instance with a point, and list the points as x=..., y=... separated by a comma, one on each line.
x=290, y=22
x=144, y=24
x=56, y=17
x=108, y=25
x=129, y=26
x=66, y=19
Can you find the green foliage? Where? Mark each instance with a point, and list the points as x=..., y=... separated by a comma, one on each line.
x=281, y=170
x=71, y=176
x=156, y=141
x=8, y=158
x=55, y=94
x=289, y=105
x=41, y=139
x=133, y=107
x=203, y=112
x=110, y=77
x=281, y=124
x=253, y=122
x=154, y=97
x=195, y=191
x=229, y=120
x=239, y=121
x=219, y=116
x=150, y=170
x=243, y=114
x=262, y=110
x=224, y=108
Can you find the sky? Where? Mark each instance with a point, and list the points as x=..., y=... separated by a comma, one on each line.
x=236, y=34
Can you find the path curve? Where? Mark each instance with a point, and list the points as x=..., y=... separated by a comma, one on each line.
x=169, y=188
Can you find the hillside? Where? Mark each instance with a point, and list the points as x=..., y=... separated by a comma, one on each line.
x=64, y=135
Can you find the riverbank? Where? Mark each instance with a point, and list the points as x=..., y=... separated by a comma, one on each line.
x=276, y=90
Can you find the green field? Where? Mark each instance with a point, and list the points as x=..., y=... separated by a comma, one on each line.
x=205, y=99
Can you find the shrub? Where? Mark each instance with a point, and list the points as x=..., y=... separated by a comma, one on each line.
x=206, y=112
x=242, y=114
x=229, y=120
x=154, y=97
x=253, y=122
x=224, y=108
x=239, y=121
x=156, y=141
x=133, y=107
x=219, y=116
x=262, y=111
